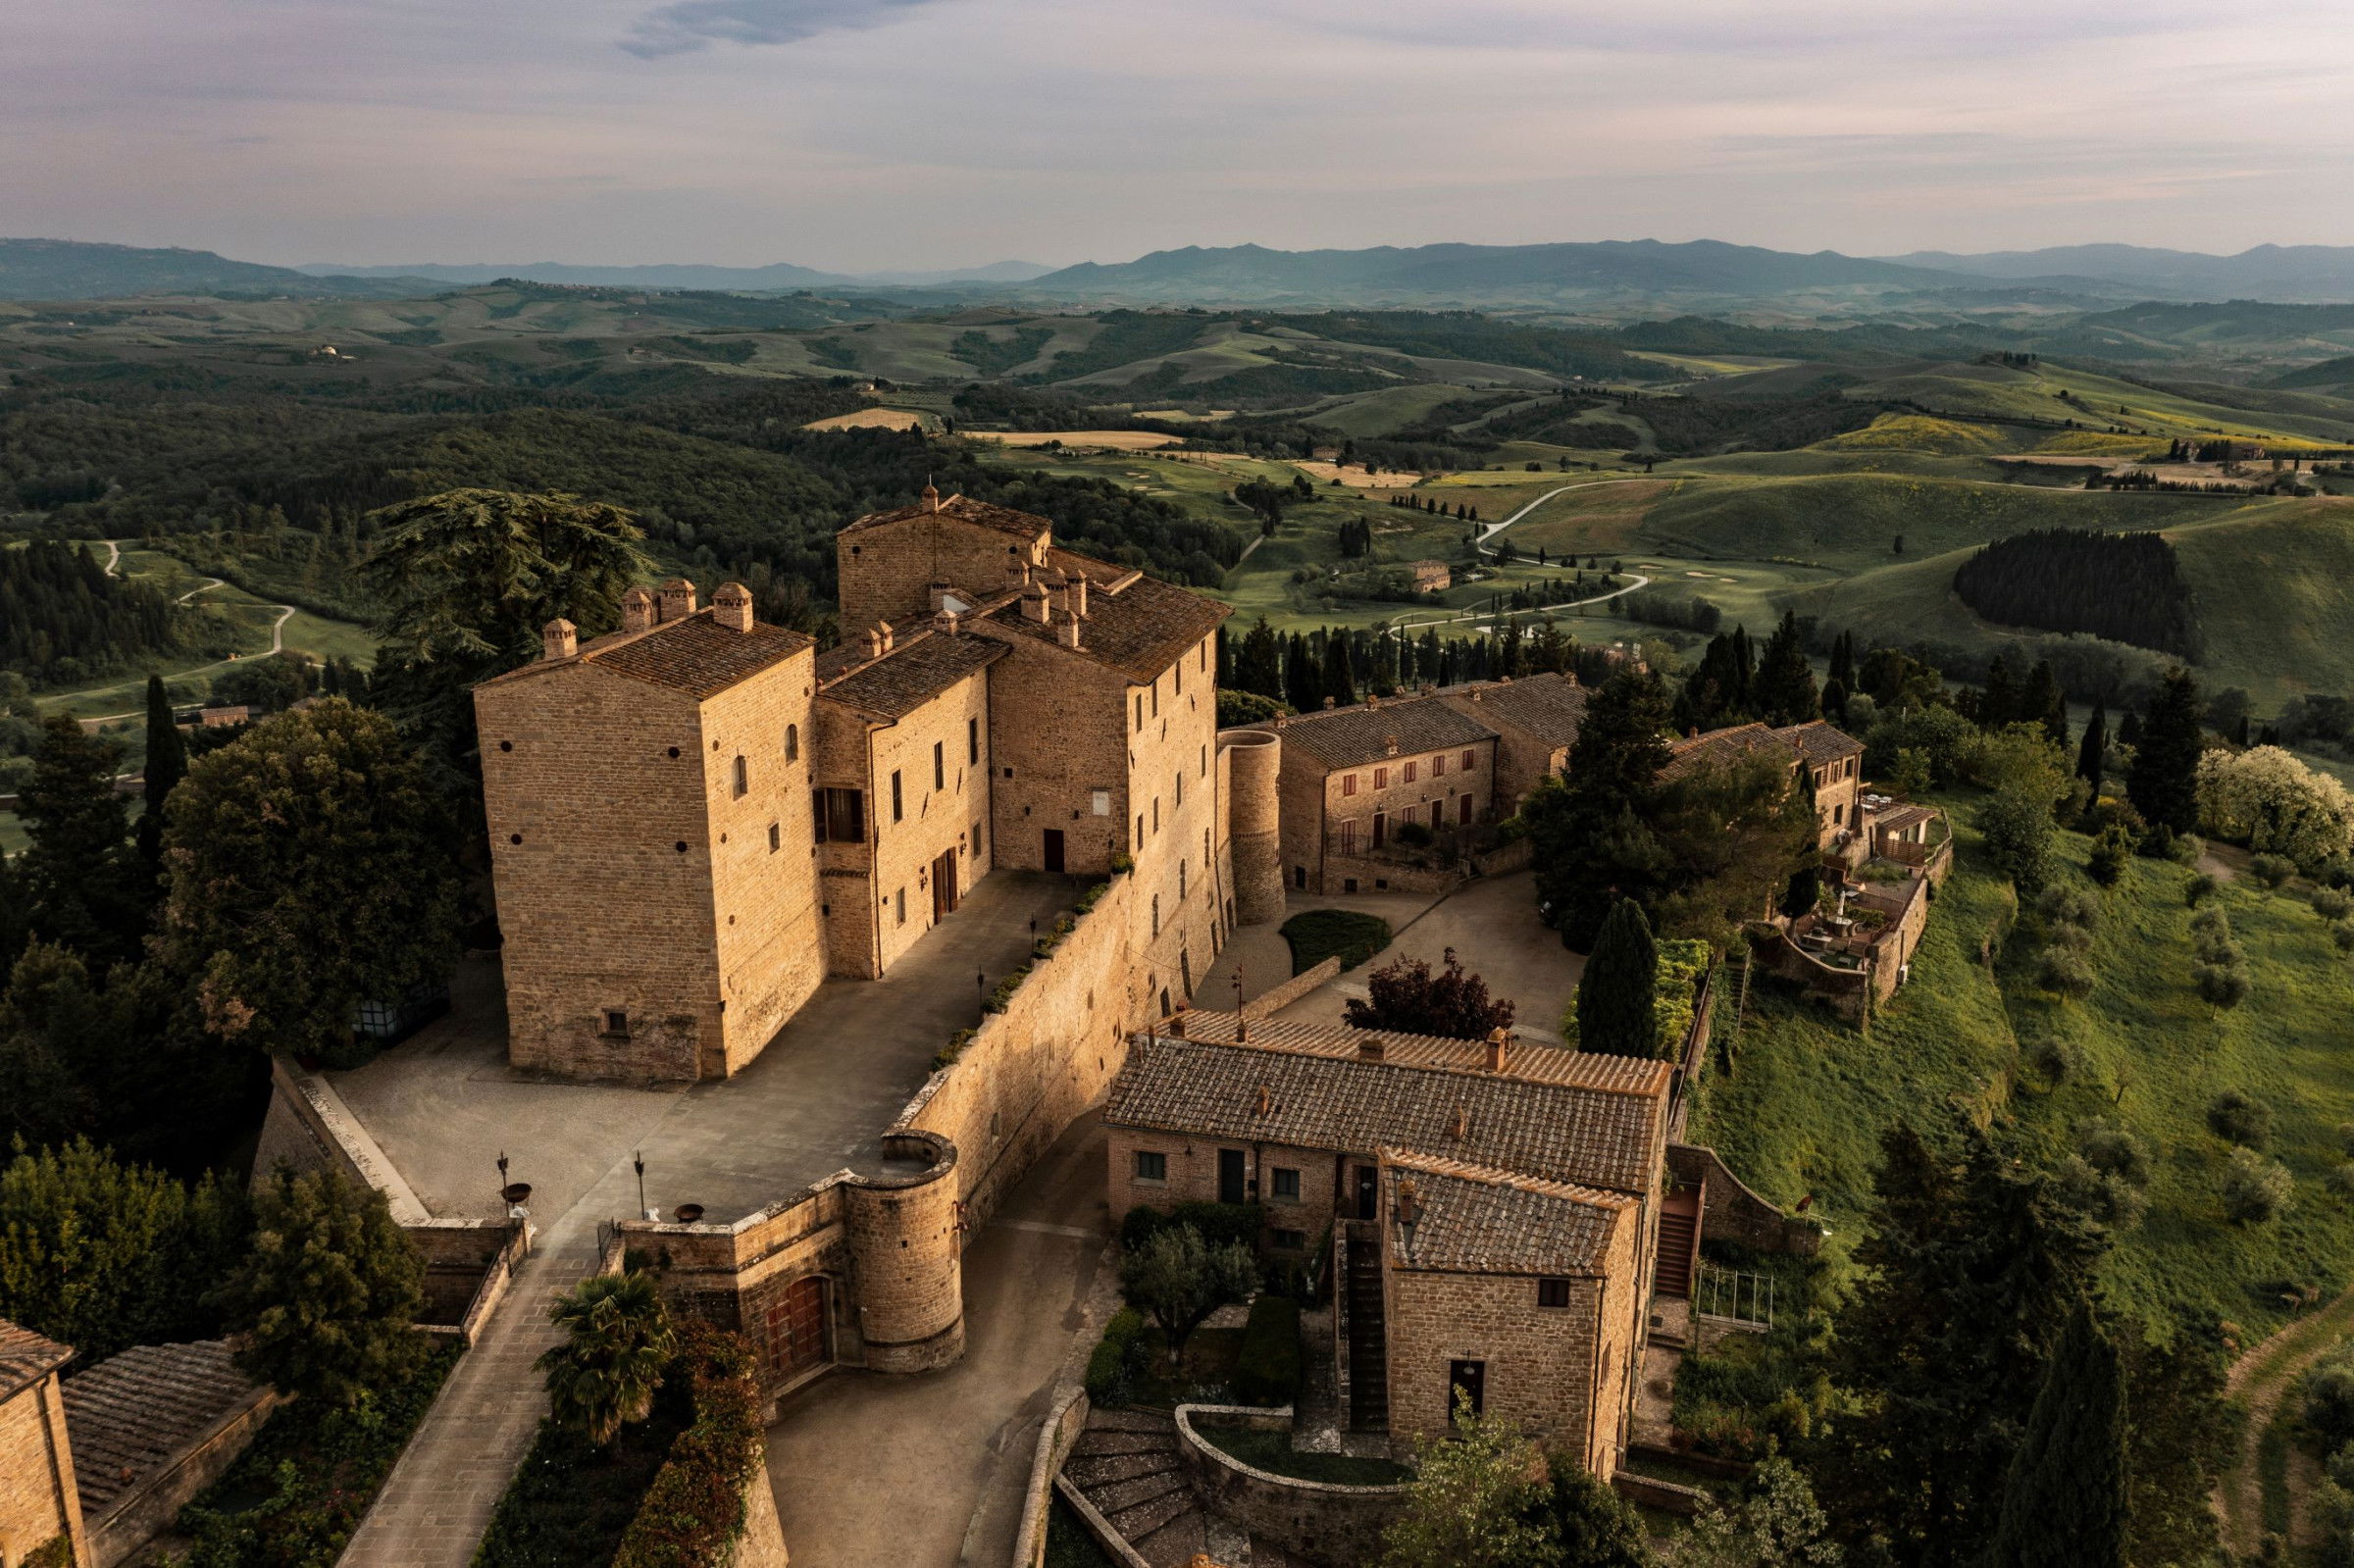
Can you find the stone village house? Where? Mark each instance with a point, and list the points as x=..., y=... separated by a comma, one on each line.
x=1492, y=1209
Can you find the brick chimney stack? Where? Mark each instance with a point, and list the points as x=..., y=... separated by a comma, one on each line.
x=883, y=630
x=732, y=607
x=1498, y=1050
x=1067, y=629
x=1034, y=603
x=677, y=600
x=559, y=639
x=1078, y=594
x=636, y=610
x=870, y=644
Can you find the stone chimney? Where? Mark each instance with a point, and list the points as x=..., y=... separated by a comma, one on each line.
x=1460, y=1127
x=1499, y=1049
x=870, y=644
x=1390, y=745
x=883, y=632
x=677, y=600
x=1067, y=629
x=1017, y=574
x=931, y=498
x=1265, y=1105
x=947, y=621
x=940, y=595
x=1370, y=1048
x=1328, y=702
x=636, y=610
x=732, y=607
x=1034, y=603
x=1177, y=1023
x=1372, y=701
x=1078, y=594
x=558, y=640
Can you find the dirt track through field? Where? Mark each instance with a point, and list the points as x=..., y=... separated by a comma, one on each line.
x=2259, y=1380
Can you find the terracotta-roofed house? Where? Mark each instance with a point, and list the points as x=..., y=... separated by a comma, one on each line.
x=39, y=1501
x=1835, y=758
x=1433, y=763
x=1547, y=1167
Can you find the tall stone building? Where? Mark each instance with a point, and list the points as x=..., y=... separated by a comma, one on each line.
x=699, y=818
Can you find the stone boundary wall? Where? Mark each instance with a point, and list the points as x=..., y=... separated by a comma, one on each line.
x=1668, y=1496
x=143, y=1513
x=1115, y=1545
x=1731, y=1212
x=1514, y=854
x=1291, y=989
x=310, y=1128
x=762, y=1543
x=1319, y=1521
x=482, y=1251
x=1063, y=1424
x=1030, y=1071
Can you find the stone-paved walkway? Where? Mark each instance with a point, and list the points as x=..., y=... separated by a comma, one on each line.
x=440, y=1497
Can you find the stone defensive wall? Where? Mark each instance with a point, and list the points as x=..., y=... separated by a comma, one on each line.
x=1253, y=762
x=1314, y=1521
x=888, y=1246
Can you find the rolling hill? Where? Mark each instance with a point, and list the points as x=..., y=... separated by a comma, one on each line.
x=2291, y=273
x=68, y=269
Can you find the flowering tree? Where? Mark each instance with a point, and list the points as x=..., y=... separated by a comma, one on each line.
x=2270, y=802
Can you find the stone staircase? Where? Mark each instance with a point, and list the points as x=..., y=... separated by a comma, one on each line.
x=1125, y=1463
x=1369, y=1341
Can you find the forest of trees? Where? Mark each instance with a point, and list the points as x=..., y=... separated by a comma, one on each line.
x=2126, y=587
x=63, y=619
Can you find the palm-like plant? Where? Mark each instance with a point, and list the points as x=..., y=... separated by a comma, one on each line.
x=618, y=1338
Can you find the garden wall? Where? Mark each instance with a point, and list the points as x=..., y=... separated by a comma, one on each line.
x=1063, y=1424
x=1321, y=1521
x=1731, y=1212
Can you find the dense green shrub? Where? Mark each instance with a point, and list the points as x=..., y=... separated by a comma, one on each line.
x=2255, y=1189
x=2241, y=1118
x=570, y=1501
x=1268, y=1372
x=2272, y=870
x=695, y=1511
x=1118, y=1359
x=1218, y=1222
x=2333, y=903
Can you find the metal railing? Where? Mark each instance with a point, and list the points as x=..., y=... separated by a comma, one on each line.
x=1733, y=1296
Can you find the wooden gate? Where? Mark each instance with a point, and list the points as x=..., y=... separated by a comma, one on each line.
x=796, y=1329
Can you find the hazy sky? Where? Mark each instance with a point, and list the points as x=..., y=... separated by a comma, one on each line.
x=871, y=133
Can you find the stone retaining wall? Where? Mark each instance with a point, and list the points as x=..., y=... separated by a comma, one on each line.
x=1319, y=1521
x=1731, y=1212
x=1291, y=989
x=1063, y=1424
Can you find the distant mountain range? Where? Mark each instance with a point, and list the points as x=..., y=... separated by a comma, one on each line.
x=777, y=274
x=1609, y=274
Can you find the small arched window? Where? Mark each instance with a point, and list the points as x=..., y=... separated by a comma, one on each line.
x=793, y=743
x=743, y=777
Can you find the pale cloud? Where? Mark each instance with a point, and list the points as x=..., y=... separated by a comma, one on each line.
x=859, y=133
x=692, y=25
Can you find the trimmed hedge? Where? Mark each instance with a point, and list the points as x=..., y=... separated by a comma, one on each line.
x=1118, y=1359
x=1321, y=933
x=695, y=1511
x=1269, y=1371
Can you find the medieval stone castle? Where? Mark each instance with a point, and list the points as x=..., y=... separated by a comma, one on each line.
x=754, y=816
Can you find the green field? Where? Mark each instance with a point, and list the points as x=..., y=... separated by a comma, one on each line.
x=1801, y=1111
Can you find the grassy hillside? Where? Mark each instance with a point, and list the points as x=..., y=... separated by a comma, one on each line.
x=1803, y=1107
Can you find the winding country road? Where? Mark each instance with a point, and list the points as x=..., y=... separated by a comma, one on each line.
x=1480, y=544
x=278, y=634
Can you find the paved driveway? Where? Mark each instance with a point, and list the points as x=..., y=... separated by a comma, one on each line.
x=1491, y=924
x=931, y=1472
x=444, y=1104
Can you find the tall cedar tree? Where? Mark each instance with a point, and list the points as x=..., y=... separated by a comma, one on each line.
x=2163, y=782
x=311, y=870
x=322, y=1303
x=2064, y=1503
x=1592, y=846
x=86, y=887
x=1971, y=1269
x=2093, y=756
x=1405, y=995
x=467, y=581
x=1618, y=996
x=166, y=762
x=1785, y=683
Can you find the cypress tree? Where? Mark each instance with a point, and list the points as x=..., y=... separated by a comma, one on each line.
x=1997, y=704
x=2163, y=782
x=2093, y=756
x=1616, y=996
x=1784, y=690
x=166, y=762
x=1340, y=672
x=2064, y=1502
x=2128, y=728
x=1303, y=685
x=2042, y=702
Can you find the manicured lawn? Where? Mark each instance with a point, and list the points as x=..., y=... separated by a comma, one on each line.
x=1321, y=933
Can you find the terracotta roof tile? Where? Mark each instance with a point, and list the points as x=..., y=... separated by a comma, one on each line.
x=1022, y=524
x=127, y=1416
x=916, y=670
x=1475, y=1219
x=26, y=1356
x=1556, y=1131
x=1541, y=1064
x=695, y=654
x=1820, y=742
x=1345, y=737
x=1548, y=706
x=1139, y=630
x=1817, y=741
